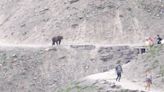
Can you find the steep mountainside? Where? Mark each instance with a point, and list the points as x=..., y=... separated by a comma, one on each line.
x=80, y=21
x=24, y=69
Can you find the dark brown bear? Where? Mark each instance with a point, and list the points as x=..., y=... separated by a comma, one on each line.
x=57, y=40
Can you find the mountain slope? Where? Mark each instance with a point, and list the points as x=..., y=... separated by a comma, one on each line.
x=80, y=21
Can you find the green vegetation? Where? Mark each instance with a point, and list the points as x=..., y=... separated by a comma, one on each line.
x=76, y=87
x=152, y=56
x=153, y=51
x=162, y=70
x=155, y=64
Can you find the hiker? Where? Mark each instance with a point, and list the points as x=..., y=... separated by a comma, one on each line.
x=148, y=80
x=149, y=41
x=119, y=70
x=159, y=39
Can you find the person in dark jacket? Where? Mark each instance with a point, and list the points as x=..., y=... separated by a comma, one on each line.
x=159, y=39
x=119, y=71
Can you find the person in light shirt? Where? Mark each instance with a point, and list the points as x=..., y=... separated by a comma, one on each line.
x=149, y=41
x=148, y=80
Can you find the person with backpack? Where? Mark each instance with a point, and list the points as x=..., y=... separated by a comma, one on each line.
x=119, y=71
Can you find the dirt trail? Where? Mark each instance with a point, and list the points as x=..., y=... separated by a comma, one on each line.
x=24, y=45
x=124, y=83
x=49, y=45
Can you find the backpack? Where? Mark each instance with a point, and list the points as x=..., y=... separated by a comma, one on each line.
x=119, y=68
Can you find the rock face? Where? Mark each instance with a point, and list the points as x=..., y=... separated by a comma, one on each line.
x=80, y=21
x=46, y=70
x=114, y=53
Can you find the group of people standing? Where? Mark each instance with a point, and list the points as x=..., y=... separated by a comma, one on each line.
x=156, y=40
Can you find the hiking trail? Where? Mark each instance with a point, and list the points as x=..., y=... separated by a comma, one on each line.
x=110, y=76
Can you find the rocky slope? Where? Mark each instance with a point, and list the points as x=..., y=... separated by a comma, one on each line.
x=153, y=61
x=80, y=21
x=103, y=82
x=133, y=78
x=30, y=69
x=26, y=65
